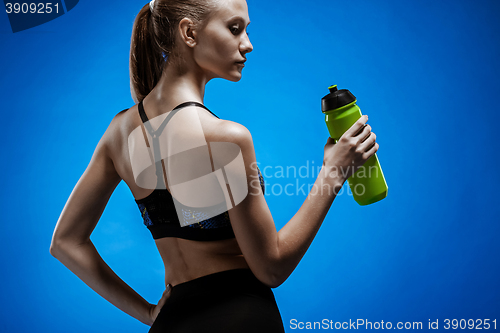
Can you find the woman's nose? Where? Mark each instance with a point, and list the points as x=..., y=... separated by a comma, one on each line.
x=246, y=46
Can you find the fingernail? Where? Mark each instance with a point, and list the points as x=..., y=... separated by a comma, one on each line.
x=169, y=286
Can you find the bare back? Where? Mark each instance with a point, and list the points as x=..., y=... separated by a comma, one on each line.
x=183, y=259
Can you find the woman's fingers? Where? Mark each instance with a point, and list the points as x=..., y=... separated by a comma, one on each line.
x=166, y=294
x=353, y=148
x=357, y=127
x=161, y=302
x=372, y=150
x=369, y=146
x=368, y=142
x=365, y=137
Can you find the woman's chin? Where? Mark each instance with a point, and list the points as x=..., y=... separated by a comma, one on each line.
x=235, y=76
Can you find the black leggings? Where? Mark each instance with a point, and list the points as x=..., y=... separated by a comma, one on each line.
x=232, y=301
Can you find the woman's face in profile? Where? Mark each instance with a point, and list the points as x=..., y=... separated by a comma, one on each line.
x=223, y=44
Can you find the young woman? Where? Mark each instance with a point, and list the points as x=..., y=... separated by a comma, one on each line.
x=218, y=272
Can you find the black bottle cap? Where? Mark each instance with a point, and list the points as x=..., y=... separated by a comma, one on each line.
x=336, y=99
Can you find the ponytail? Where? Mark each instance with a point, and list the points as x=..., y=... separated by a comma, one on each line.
x=153, y=40
x=146, y=62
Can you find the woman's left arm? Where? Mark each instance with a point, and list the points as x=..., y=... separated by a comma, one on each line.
x=71, y=243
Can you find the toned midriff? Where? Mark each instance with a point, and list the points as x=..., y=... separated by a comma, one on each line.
x=185, y=260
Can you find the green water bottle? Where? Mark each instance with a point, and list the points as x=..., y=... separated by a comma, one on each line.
x=368, y=184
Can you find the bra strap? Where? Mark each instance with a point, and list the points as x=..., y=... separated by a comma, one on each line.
x=144, y=117
x=155, y=134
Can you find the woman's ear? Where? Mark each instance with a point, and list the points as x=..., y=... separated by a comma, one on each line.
x=187, y=31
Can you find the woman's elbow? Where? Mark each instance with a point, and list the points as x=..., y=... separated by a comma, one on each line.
x=56, y=246
x=271, y=280
x=53, y=248
x=59, y=246
x=271, y=275
x=275, y=282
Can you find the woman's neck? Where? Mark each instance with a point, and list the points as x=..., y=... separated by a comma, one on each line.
x=175, y=88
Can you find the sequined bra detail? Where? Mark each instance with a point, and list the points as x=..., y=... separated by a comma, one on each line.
x=159, y=212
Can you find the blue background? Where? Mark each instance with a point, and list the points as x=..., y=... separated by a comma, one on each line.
x=426, y=73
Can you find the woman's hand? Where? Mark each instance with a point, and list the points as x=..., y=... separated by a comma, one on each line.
x=351, y=151
x=155, y=309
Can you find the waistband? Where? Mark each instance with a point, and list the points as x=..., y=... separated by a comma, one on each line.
x=229, y=280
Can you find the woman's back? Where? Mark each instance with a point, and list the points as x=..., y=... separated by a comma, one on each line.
x=184, y=259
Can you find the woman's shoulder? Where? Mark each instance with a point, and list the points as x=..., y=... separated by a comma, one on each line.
x=230, y=131
x=222, y=130
x=125, y=121
x=119, y=124
x=123, y=115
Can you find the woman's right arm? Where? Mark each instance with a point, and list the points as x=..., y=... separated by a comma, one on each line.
x=272, y=256
x=71, y=243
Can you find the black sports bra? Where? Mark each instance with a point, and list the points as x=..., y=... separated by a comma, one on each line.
x=158, y=209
